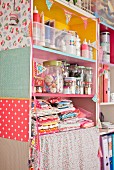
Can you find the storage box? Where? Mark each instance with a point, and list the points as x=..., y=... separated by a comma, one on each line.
x=47, y=36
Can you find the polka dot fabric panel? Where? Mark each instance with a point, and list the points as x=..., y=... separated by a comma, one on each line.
x=14, y=119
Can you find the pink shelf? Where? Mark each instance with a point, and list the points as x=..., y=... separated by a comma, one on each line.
x=61, y=95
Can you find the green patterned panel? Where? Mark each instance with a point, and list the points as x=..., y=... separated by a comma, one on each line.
x=15, y=73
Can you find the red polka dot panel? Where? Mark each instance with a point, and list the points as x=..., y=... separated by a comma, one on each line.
x=14, y=119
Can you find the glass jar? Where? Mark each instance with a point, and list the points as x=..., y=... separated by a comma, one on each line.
x=53, y=77
x=82, y=73
x=88, y=88
x=73, y=70
x=89, y=74
x=78, y=80
x=70, y=83
x=65, y=69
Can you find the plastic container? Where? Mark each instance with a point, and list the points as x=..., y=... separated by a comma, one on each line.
x=70, y=43
x=78, y=46
x=36, y=15
x=53, y=77
x=70, y=83
x=106, y=57
x=36, y=27
x=85, y=49
x=105, y=37
x=90, y=50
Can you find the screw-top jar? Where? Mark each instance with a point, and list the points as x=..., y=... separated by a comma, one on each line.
x=65, y=69
x=53, y=77
x=70, y=83
x=89, y=74
x=81, y=73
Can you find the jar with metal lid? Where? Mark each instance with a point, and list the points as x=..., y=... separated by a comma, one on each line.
x=53, y=77
x=88, y=88
x=70, y=82
x=73, y=70
x=89, y=74
x=78, y=80
x=81, y=70
x=105, y=36
x=65, y=69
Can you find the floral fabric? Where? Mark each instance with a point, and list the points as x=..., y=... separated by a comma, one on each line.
x=14, y=36
x=72, y=150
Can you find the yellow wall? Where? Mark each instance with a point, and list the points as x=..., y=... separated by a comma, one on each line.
x=76, y=23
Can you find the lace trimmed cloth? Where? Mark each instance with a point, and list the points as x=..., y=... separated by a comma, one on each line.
x=71, y=150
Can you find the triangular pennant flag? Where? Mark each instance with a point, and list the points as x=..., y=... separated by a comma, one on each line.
x=49, y=4
x=85, y=21
x=95, y=44
x=40, y=68
x=68, y=16
x=95, y=98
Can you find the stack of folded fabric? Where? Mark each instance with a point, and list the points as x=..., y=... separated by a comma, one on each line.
x=70, y=117
x=48, y=124
x=83, y=120
x=46, y=117
x=43, y=108
x=67, y=114
x=56, y=114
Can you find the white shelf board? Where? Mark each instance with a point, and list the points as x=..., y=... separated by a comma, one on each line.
x=76, y=8
x=106, y=103
x=109, y=64
x=109, y=26
x=47, y=53
x=105, y=131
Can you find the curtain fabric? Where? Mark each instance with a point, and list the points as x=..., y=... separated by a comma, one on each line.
x=71, y=150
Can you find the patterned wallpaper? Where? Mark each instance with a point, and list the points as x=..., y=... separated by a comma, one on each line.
x=14, y=36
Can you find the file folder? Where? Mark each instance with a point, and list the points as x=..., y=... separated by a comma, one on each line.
x=106, y=84
x=113, y=151
x=101, y=84
x=105, y=159
x=110, y=151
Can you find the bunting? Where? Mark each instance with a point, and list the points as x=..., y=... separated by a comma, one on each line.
x=68, y=16
x=49, y=4
x=85, y=21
